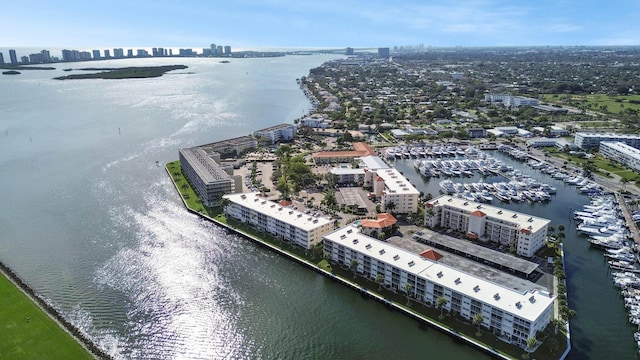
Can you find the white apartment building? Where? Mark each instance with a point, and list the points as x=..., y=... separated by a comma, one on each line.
x=509, y=100
x=391, y=187
x=205, y=174
x=315, y=121
x=622, y=153
x=586, y=141
x=488, y=223
x=274, y=134
x=265, y=215
x=512, y=314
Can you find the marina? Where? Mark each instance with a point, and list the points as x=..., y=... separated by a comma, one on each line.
x=586, y=268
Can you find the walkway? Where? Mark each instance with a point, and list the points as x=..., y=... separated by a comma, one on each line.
x=628, y=219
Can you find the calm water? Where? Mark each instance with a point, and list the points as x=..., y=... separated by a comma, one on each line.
x=600, y=330
x=90, y=222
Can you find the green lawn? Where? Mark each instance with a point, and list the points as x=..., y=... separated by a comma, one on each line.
x=26, y=332
x=596, y=102
x=604, y=166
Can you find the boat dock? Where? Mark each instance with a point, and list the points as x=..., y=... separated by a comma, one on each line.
x=628, y=219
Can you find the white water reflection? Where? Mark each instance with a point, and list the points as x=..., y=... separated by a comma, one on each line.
x=171, y=278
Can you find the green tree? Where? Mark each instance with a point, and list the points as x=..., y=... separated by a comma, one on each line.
x=477, y=320
x=531, y=344
x=407, y=290
x=390, y=206
x=441, y=302
x=379, y=281
x=557, y=323
x=354, y=267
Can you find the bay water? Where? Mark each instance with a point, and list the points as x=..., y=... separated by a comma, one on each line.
x=92, y=224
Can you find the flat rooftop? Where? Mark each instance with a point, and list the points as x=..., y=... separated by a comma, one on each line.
x=523, y=221
x=509, y=293
x=467, y=247
x=396, y=182
x=208, y=170
x=468, y=266
x=274, y=210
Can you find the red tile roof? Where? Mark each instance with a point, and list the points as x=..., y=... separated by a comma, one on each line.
x=383, y=221
x=360, y=150
x=431, y=255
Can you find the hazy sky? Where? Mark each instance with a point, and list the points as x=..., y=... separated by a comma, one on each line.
x=317, y=23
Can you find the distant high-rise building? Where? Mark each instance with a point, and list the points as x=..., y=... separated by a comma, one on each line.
x=154, y=52
x=1, y=59
x=206, y=51
x=13, y=56
x=227, y=50
x=214, y=49
x=219, y=50
x=160, y=51
x=118, y=53
x=107, y=54
x=24, y=59
x=46, y=56
x=96, y=54
x=170, y=52
x=142, y=53
x=130, y=53
x=186, y=52
x=349, y=51
x=85, y=56
x=383, y=53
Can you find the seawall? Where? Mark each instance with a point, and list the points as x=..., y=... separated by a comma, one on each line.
x=71, y=329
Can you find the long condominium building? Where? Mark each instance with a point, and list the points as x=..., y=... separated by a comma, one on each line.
x=512, y=314
x=587, y=141
x=237, y=145
x=394, y=190
x=622, y=153
x=277, y=133
x=209, y=179
x=510, y=100
x=488, y=223
x=290, y=225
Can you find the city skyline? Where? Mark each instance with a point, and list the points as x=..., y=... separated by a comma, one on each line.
x=30, y=56
x=282, y=23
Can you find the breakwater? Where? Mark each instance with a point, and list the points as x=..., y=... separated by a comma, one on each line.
x=48, y=308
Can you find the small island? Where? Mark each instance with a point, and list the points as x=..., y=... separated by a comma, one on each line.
x=23, y=67
x=11, y=72
x=123, y=73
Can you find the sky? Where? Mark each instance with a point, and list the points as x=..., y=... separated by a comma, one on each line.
x=254, y=24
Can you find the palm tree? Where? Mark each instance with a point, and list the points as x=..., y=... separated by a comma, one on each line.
x=407, y=290
x=390, y=206
x=556, y=324
x=477, y=320
x=379, y=281
x=441, y=302
x=531, y=343
x=224, y=202
x=560, y=227
x=354, y=266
